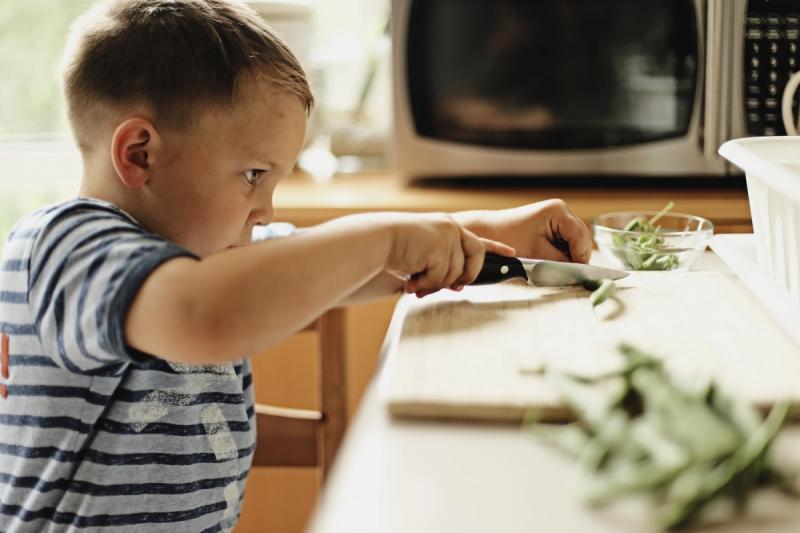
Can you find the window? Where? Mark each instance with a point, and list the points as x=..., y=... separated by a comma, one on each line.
x=32, y=37
x=40, y=164
x=38, y=161
x=348, y=37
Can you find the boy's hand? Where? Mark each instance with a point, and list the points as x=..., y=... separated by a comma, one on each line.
x=434, y=252
x=542, y=230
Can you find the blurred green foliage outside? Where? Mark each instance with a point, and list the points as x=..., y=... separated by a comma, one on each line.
x=32, y=37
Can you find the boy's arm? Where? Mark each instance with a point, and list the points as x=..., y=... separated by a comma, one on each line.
x=380, y=286
x=236, y=303
x=244, y=300
x=534, y=230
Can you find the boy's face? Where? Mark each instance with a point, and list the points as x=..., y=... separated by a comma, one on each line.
x=215, y=182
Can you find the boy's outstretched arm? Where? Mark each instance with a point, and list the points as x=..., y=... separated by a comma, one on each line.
x=541, y=230
x=239, y=302
x=380, y=286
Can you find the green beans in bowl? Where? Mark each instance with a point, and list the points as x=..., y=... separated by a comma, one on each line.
x=649, y=240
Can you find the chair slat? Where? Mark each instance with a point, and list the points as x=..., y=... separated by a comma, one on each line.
x=299, y=437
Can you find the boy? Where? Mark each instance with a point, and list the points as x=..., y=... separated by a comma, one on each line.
x=127, y=313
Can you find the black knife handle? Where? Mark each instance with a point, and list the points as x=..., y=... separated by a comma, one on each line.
x=497, y=268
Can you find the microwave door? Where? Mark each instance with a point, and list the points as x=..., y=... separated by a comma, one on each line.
x=560, y=74
x=551, y=87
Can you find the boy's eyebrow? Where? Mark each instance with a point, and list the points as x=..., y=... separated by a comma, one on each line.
x=262, y=161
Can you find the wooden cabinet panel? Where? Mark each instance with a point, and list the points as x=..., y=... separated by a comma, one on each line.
x=279, y=500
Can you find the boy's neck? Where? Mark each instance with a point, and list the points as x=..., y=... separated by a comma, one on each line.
x=99, y=181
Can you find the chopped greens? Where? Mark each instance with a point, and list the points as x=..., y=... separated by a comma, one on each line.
x=601, y=290
x=641, y=247
x=685, y=448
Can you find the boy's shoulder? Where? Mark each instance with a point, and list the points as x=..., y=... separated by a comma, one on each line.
x=70, y=273
x=31, y=226
x=45, y=216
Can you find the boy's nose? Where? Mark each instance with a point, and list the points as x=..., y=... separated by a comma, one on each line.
x=262, y=211
x=262, y=215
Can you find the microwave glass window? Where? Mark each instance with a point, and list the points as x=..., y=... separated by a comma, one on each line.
x=552, y=74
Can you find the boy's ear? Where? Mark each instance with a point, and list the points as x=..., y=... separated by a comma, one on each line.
x=133, y=146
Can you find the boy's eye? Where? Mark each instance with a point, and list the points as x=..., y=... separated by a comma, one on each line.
x=253, y=176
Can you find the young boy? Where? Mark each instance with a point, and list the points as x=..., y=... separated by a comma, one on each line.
x=127, y=313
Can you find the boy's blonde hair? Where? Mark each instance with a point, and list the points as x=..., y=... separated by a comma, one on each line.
x=175, y=57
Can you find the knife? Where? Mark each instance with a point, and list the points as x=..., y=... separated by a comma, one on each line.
x=541, y=273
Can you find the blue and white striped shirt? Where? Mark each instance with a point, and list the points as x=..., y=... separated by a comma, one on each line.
x=93, y=434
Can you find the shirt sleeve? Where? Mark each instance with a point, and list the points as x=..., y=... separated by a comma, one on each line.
x=85, y=270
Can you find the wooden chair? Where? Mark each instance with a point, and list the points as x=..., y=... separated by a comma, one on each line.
x=305, y=438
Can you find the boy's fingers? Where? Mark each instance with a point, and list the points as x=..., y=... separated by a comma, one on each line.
x=456, y=265
x=474, y=252
x=578, y=235
x=476, y=261
x=411, y=285
x=432, y=277
x=475, y=249
x=498, y=248
x=551, y=253
x=426, y=292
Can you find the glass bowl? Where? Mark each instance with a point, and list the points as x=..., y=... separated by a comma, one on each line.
x=676, y=245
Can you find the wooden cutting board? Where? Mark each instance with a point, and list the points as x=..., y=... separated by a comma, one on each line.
x=480, y=354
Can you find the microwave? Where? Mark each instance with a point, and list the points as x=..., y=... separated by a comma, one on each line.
x=586, y=87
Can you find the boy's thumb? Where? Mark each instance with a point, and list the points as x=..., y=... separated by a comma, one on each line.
x=498, y=247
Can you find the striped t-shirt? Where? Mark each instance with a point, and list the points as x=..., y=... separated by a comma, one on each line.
x=95, y=435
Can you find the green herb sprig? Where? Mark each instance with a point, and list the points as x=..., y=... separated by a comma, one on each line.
x=641, y=247
x=602, y=290
x=684, y=448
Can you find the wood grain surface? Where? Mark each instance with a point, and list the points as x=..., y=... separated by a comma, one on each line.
x=481, y=353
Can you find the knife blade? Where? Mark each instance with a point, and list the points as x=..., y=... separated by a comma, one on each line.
x=540, y=272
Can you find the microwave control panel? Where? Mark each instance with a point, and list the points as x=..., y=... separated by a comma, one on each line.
x=771, y=56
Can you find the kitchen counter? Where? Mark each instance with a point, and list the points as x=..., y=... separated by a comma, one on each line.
x=400, y=475
x=303, y=201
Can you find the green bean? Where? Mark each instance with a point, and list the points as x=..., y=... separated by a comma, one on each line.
x=627, y=479
x=640, y=247
x=667, y=208
x=682, y=415
x=569, y=438
x=686, y=501
x=744, y=417
x=634, y=224
x=601, y=290
x=587, y=402
x=592, y=284
x=649, y=262
x=685, y=447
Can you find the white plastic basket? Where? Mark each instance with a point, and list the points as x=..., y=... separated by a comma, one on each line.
x=772, y=169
